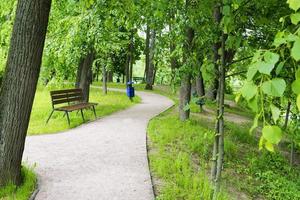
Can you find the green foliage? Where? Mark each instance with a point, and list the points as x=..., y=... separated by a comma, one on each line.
x=274, y=87
x=275, y=73
x=22, y=192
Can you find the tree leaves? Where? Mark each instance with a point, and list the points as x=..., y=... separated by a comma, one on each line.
x=270, y=59
x=272, y=134
x=295, y=18
x=249, y=90
x=295, y=53
x=294, y=4
x=296, y=86
x=274, y=87
x=275, y=112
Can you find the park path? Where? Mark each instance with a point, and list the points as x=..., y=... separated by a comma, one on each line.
x=102, y=160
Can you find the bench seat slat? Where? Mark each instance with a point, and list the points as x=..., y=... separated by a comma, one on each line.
x=64, y=91
x=67, y=100
x=76, y=107
x=65, y=95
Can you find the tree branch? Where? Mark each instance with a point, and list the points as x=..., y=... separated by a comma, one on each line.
x=236, y=73
x=240, y=60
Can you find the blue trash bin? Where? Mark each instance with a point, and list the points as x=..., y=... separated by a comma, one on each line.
x=130, y=90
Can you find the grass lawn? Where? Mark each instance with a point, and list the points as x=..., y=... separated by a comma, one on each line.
x=22, y=192
x=180, y=154
x=107, y=104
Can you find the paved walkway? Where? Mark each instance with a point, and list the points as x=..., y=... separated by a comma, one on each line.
x=101, y=160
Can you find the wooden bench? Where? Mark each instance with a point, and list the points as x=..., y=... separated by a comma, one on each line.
x=73, y=101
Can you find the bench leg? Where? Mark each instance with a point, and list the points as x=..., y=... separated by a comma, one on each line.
x=68, y=118
x=94, y=112
x=49, y=116
x=82, y=115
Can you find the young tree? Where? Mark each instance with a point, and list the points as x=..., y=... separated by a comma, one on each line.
x=19, y=85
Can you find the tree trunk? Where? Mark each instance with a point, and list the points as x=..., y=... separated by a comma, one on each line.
x=151, y=67
x=213, y=87
x=131, y=55
x=104, y=79
x=147, y=52
x=127, y=70
x=19, y=85
x=173, y=59
x=110, y=76
x=79, y=71
x=286, y=122
x=185, y=87
x=200, y=85
x=221, y=133
x=86, y=75
x=185, y=97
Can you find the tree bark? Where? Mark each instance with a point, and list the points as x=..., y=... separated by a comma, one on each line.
x=79, y=71
x=151, y=67
x=286, y=122
x=110, y=76
x=185, y=87
x=147, y=52
x=221, y=133
x=104, y=80
x=213, y=87
x=19, y=85
x=200, y=88
x=131, y=55
x=86, y=75
x=173, y=59
x=185, y=97
x=127, y=70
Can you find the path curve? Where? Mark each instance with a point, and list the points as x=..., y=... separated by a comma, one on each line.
x=102, y=160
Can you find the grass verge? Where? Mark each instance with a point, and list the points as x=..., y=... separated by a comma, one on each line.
x=24, y=191
x=180, y=155
x=107, y=104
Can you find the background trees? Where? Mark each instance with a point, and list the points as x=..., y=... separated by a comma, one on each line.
x=211, y=48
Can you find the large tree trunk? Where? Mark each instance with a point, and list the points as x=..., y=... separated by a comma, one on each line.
x=19, y=85
x=185, y=87
x=151, y=67
x=147, y=52
x=86, y=75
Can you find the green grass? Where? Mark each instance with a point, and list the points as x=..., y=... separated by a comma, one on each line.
x=180, y=151
x=180, y=155
x=24, y=191
x=107, y=104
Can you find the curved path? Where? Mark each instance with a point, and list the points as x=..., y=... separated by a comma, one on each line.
x=102, y=160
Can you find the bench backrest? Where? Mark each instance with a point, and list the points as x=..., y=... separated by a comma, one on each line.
x=66, y=96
